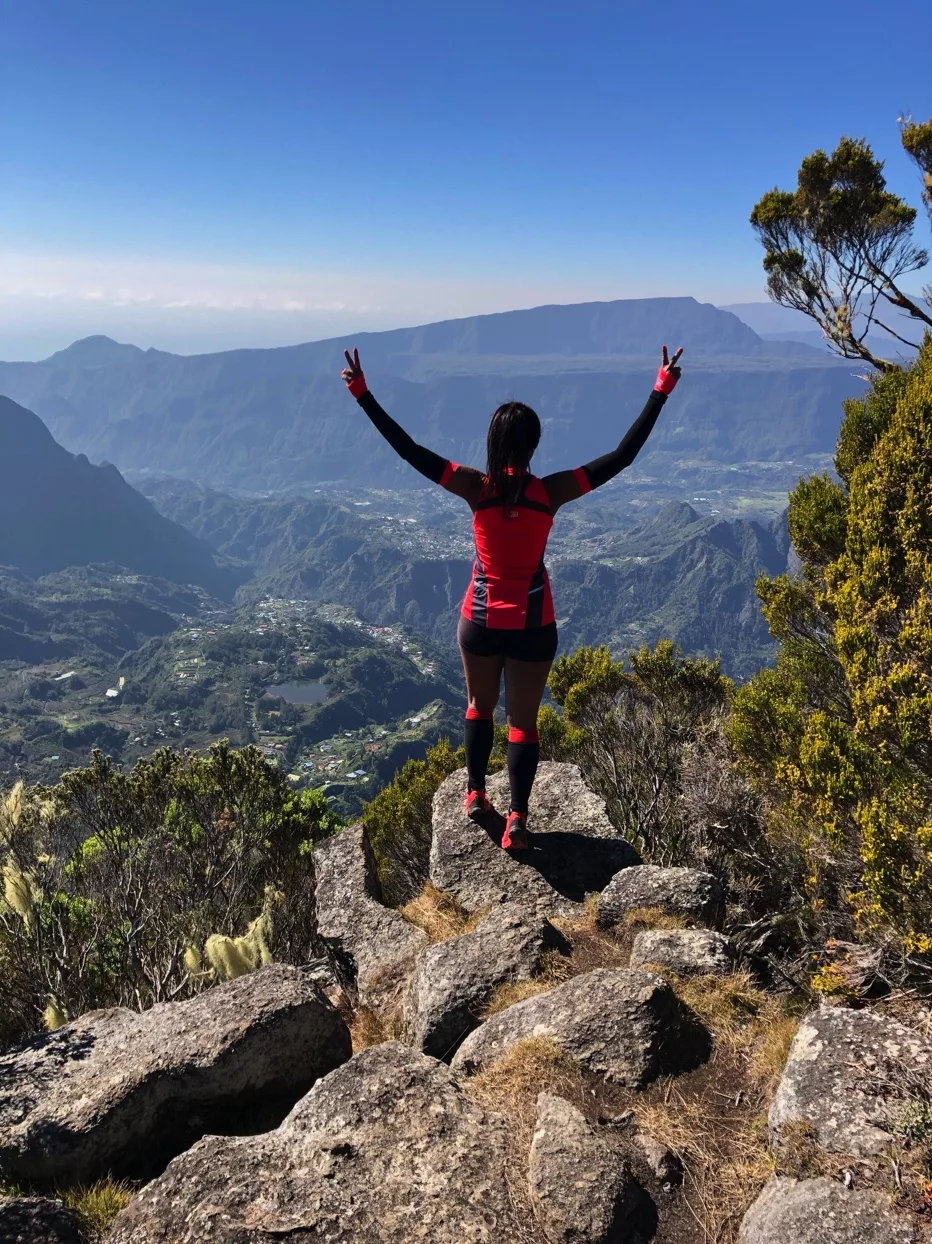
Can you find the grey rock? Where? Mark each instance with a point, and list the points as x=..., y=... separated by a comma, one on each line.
x=387, y=1149
x=685, y=892
x=455, y=979
x=36, y=1220
x=848, y=1075
x=625, y=1025
x=664, y=1164
x=822, y=1211
x=372, y=947
x=120, y=1092
x=575, y=850
x=581, y=1191
x=690, y=952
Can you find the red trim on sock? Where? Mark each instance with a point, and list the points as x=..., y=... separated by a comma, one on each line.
x=473, y=714
x=522, y=736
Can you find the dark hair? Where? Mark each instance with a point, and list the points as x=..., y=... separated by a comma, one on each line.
x=514, y=433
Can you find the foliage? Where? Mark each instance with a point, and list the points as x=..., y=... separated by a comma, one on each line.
x=112, y=878
x=649, y=737
x=398, y=821
x=840, y=734
x=836, y=247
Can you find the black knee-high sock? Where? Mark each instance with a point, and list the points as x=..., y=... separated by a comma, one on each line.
x=523, y=755
x=478, y=736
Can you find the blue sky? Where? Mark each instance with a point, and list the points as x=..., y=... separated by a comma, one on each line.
x=196, y=175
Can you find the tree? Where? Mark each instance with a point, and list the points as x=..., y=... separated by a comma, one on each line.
x=837, y=247
x=839, y=735
x=111, y=879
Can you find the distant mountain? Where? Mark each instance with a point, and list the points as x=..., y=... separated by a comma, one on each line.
x=681, y=575
x=775, y=323
x=57, y=510
x=266, y=420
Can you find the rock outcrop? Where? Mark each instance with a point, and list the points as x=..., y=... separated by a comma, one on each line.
x=821, y=1211
x=454, y=980
x=624, y=1025
x=847, y=1075
x=122, y=1093
x=690, y=952
x=575, y=850
x=36, y=1220
x=695, y=896
x=387, y=1149
x=372, y=947
x=581, y=1191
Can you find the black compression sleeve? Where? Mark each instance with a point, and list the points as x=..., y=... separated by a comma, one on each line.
x=601, y=470
x=423, y=460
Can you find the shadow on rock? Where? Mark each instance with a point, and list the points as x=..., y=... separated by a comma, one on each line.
x=572, y=864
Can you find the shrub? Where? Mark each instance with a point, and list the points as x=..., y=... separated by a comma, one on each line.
x=398, y=821
x=839, y=736
x=111, y=880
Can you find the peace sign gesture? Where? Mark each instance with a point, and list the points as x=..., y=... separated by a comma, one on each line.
x=669, y=372
x=353, y=369
x=352, y=373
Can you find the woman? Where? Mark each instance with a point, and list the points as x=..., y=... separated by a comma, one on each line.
x=507, y=622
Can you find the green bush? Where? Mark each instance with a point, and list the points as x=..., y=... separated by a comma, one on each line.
x=839, y=736
x=111, y=878
x=398, y=821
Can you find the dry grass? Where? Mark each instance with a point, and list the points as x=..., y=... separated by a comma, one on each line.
x=652, y=918
x=554, y=968
x=439, y=915
x=510, y=1085
x=723, y=1150
x=98, y=1204
x=95, y=1204
x=368, y=1027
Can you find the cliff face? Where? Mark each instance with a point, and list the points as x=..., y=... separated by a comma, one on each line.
x=58, y=510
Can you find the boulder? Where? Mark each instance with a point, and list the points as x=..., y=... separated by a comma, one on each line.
x=575, y=850
x=622, y=1024
x=690, y=952
x=822, y=1211
x=687, y=892
x=36, y=1220
x=387, y=1149
x=454, y=980
x=121, y=1092
x=582, y=1193
x=372, y=947
x=848, y=1074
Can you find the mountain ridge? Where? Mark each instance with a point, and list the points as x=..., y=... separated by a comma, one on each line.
x=58, y=510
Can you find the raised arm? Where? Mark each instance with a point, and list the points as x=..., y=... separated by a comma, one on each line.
x=463, y=481
x=564, y=486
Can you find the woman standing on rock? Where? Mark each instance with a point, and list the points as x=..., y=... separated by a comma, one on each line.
x=507, y=624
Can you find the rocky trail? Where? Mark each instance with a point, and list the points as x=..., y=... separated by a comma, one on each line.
x=562, y=1048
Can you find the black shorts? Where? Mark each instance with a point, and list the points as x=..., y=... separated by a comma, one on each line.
x=536, y=643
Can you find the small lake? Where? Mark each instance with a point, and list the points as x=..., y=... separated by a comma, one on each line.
x=300, y=691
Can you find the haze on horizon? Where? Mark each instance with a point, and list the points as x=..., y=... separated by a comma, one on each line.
x=205, y=177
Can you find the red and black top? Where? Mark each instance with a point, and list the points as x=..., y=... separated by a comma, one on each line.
x=510, y=588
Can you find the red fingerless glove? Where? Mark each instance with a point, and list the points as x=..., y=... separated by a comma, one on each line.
x=666, y=381
x=358, y=386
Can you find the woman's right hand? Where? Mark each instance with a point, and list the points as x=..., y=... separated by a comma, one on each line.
x=668, y=374
x=353, y=374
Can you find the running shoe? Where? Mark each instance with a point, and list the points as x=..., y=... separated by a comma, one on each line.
x=515, y=836
x=477, y=804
